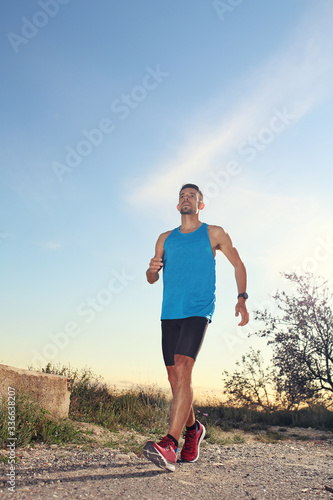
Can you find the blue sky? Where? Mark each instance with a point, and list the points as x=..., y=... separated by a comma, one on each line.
x=107, y=109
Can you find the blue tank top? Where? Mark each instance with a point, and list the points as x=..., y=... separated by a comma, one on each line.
x=188, y=275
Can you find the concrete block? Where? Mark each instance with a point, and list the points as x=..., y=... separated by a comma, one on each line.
x=51, y=391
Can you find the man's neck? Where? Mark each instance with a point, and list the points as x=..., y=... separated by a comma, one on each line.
x=189, y=223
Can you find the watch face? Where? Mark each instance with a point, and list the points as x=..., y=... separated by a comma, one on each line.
x=245, y=295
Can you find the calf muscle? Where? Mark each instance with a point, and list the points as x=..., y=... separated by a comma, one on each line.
x=180, y=377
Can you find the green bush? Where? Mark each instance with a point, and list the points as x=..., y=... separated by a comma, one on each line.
x=33, y=423
x=141, y=409
x=138, y=409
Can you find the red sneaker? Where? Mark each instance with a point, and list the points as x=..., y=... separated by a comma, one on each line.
x=162, y=454
x=193, y=439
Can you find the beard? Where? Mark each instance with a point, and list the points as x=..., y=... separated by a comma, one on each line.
x=187, y=211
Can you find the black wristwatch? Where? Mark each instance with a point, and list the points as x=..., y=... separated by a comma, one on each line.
x=244, y=295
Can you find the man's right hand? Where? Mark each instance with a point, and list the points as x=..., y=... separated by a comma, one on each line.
x=156, y=262
x=155, y=265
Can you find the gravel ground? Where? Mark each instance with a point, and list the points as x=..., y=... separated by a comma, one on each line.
x=288, y=469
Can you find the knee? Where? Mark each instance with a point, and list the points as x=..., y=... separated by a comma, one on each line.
x=183, y=368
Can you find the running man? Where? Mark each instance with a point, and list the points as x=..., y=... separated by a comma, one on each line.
x=187, y=256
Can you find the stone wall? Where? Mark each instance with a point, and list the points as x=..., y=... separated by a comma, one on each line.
x=51, y=391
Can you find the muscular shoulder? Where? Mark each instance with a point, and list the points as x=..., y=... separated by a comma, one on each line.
x=217, y=236
x=161, y=239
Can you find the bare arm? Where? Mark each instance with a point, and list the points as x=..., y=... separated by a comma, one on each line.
x=224, y=243
x=156, y=263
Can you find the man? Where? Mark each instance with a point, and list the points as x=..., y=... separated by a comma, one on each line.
x=187, y=256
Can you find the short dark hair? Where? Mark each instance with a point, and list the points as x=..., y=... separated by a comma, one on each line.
x=193, y=186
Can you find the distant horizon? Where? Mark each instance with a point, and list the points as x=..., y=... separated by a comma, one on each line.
x=202, y=394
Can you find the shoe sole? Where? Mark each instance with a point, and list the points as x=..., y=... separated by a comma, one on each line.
x=201, y=438
x=156, y=457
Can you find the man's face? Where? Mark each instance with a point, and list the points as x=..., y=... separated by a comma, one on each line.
x=189, y=201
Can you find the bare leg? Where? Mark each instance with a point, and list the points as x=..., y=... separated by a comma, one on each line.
x=180, y=378
x=171, y=376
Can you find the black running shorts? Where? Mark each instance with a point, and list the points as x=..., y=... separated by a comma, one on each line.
x=182, y=336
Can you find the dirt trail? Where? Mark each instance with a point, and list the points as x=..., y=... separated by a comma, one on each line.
x=289, y=469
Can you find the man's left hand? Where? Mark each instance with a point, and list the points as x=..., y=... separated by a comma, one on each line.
x=241, y=309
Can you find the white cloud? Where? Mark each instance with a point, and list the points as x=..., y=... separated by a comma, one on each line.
x=296, y=79
x=52, y=245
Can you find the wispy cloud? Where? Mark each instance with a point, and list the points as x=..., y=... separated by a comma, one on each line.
x=297, y=78
x=52, y=245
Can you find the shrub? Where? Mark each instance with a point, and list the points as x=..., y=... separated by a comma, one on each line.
x=33, y=423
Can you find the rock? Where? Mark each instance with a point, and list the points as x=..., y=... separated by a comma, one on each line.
x=122, y=456
x=52, y=392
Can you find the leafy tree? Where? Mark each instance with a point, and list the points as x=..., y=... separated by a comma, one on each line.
x=251, y=385
x=301, y=337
